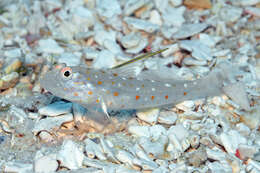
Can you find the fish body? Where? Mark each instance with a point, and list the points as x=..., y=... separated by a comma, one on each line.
x=94, y=88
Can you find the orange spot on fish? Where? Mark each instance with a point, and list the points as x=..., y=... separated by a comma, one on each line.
x=65, y=89
x=99, y=82
x=166, y=97
x=137, y=97
x=88, y=78
x=97, y=101
x=113, y=83
x=115, y=93
x=115, y=74
x=185, y=93
x=143, y=86
x=76, y=94
x=90, y=92
x=152, y=97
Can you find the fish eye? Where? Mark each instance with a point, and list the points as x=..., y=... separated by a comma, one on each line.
x=66, y=72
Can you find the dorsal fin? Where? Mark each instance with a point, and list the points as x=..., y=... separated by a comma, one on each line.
x=129, y=69
x=139, y=58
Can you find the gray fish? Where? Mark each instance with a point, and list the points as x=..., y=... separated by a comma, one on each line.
x=111, y=90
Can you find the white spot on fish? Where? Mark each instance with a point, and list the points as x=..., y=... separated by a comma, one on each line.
x=119, y=84
x=152, y=81
x=89, y=85
x=185, y=85
x=137, y=89
x=195, y=83
x=123, y=78
x=96, y=76
x=168, y=85
x=153, y=89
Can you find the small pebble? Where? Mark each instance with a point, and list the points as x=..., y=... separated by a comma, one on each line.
x=149, y=116
x=13, y=53
x=13, y=66
x=50, y=46
x=105, y=59
x=47, y=124
x=188, y=30
x=45, y=164
x=70, y=155
x=70, y=59
x=197, y=4
x=139, y=24
x=167, y=117
x=131, y=40
x=9, y=81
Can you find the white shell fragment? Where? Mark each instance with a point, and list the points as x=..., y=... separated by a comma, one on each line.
x=199, y=50
x=146, y=165
x=18, y=167
x=188, y=30
x=139, y=24
x=105, y=59
x=140, y=46
x=230, y=14
x=167, y=117
x=13, y=53
x=45, y=164
x=51, y=122
x=82, y=18
x=108, y=8
x=101, y=35
x=112, y=47
x=70, y=155
x=133, y=5
x=246, y=2
x=231, y=140
x=155, y=18
x=173, y=16
x=94, y=150
x=131, y=40
x=149, y=116
x=70, y=59
x=124, y=157
x=177, y=136
x=50, y=46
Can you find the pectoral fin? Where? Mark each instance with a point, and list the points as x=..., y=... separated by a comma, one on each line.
x=237, y=93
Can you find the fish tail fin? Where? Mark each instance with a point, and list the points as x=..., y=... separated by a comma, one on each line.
x=225, y=75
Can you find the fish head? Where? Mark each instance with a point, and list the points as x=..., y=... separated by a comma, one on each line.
x=68, y=83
